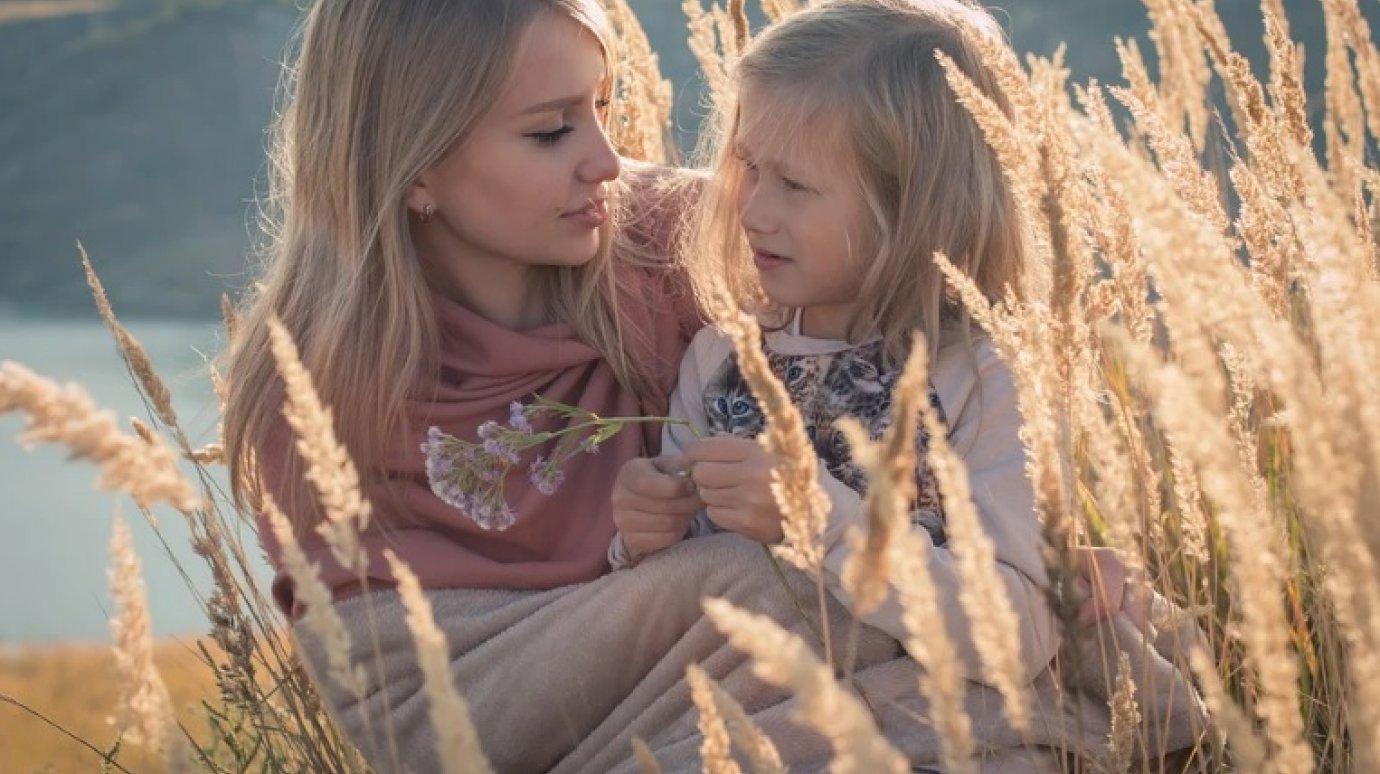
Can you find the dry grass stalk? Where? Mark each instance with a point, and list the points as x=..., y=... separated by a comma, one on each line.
x=1262, y=223
x=134, y=354
x=1184, y=75
x=1180, y=406
x=711, y=49
x=1112, y=476
x=782, y=659
x=1264, y=131
x=716, y=749
x=1010, y=143
x=1116, y=237
x=795, y=480
x=65, y=415
x=1286, y=76
x=318, y=613
x=645, y=759
x=456, y=740
x=1176, y=155
x=1248, y=749
x=210, y=454
x=1345, y=123
x=742, y=31
x=1021, y=334
x=996, y=628
x=929, y=641
x=891, y=489
x=1122, y=739
x=762, y=756
x=145, y=714
x=330, y=468
x=1356, y=29
x=641, y=118
x=776, y=10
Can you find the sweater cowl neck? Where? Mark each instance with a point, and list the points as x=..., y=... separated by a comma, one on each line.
x=474, y=347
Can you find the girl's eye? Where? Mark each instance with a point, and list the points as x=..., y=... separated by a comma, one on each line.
x=552, y=137
x=792, y=185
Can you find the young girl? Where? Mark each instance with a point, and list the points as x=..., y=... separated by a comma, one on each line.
x=845, y=165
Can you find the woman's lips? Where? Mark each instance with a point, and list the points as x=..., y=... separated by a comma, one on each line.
x=592, y=215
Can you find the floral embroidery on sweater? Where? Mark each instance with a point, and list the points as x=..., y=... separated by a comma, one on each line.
x=854, y=382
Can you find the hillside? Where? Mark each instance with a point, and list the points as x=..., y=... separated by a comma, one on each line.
x=139, y=130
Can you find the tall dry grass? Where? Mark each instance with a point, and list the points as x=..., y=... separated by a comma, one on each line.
x=1194, y=348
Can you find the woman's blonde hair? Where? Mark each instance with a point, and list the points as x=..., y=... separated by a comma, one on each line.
x=859, y=78
x=380, y=92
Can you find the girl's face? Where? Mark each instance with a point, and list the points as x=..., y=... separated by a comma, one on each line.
x=805, y=223
x=529, y=184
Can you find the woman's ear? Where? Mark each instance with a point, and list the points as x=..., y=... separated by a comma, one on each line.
x=419, y=197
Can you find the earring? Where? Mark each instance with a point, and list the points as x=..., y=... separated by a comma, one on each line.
x=427, y=212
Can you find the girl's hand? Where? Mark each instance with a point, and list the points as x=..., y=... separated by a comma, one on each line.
x=652, y=506
x=734, y=480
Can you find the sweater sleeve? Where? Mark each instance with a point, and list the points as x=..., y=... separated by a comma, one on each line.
x=707, y=351
x=979, y=399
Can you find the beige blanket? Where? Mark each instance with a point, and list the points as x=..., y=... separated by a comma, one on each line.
x=564, y=680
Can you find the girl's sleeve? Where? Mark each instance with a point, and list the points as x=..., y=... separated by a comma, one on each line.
x=984, y=425
x=707, y=351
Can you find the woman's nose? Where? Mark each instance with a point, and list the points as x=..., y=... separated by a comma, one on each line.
x=602, y=163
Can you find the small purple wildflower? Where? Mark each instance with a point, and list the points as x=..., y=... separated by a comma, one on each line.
x=517, y=418
x=545, y=476
x=588, y=446
x=489, y=430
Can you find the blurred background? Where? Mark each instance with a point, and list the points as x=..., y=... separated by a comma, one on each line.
x=138, y=128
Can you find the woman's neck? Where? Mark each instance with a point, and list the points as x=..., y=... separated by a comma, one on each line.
x=505, y=293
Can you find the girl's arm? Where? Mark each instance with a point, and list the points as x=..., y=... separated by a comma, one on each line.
x=706, y=351
x=984, y=423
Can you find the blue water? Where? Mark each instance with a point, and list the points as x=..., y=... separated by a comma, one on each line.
x=55, y=525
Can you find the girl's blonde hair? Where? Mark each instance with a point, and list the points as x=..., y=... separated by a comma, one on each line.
x=380, y=92
x=859, y=79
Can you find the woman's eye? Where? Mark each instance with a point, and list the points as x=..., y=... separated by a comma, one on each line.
x=552, y=137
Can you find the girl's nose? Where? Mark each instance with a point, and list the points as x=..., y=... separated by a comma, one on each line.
x=753, y=210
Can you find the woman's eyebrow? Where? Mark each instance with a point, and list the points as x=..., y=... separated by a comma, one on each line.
x=560, y=103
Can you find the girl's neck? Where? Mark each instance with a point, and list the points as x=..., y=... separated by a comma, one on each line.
x=823, y=322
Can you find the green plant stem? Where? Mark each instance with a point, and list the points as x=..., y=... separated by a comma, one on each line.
x=109, y=760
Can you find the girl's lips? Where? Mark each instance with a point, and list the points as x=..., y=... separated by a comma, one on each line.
x=766, y=261
x=592, y=215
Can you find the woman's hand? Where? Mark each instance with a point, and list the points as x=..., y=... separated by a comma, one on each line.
x=733, y=476
x=652, y=505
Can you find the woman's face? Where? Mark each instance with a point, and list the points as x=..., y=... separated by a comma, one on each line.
x=528, y=186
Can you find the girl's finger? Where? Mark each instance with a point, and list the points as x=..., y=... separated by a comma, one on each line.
x=721, y=448
x=716, y=475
